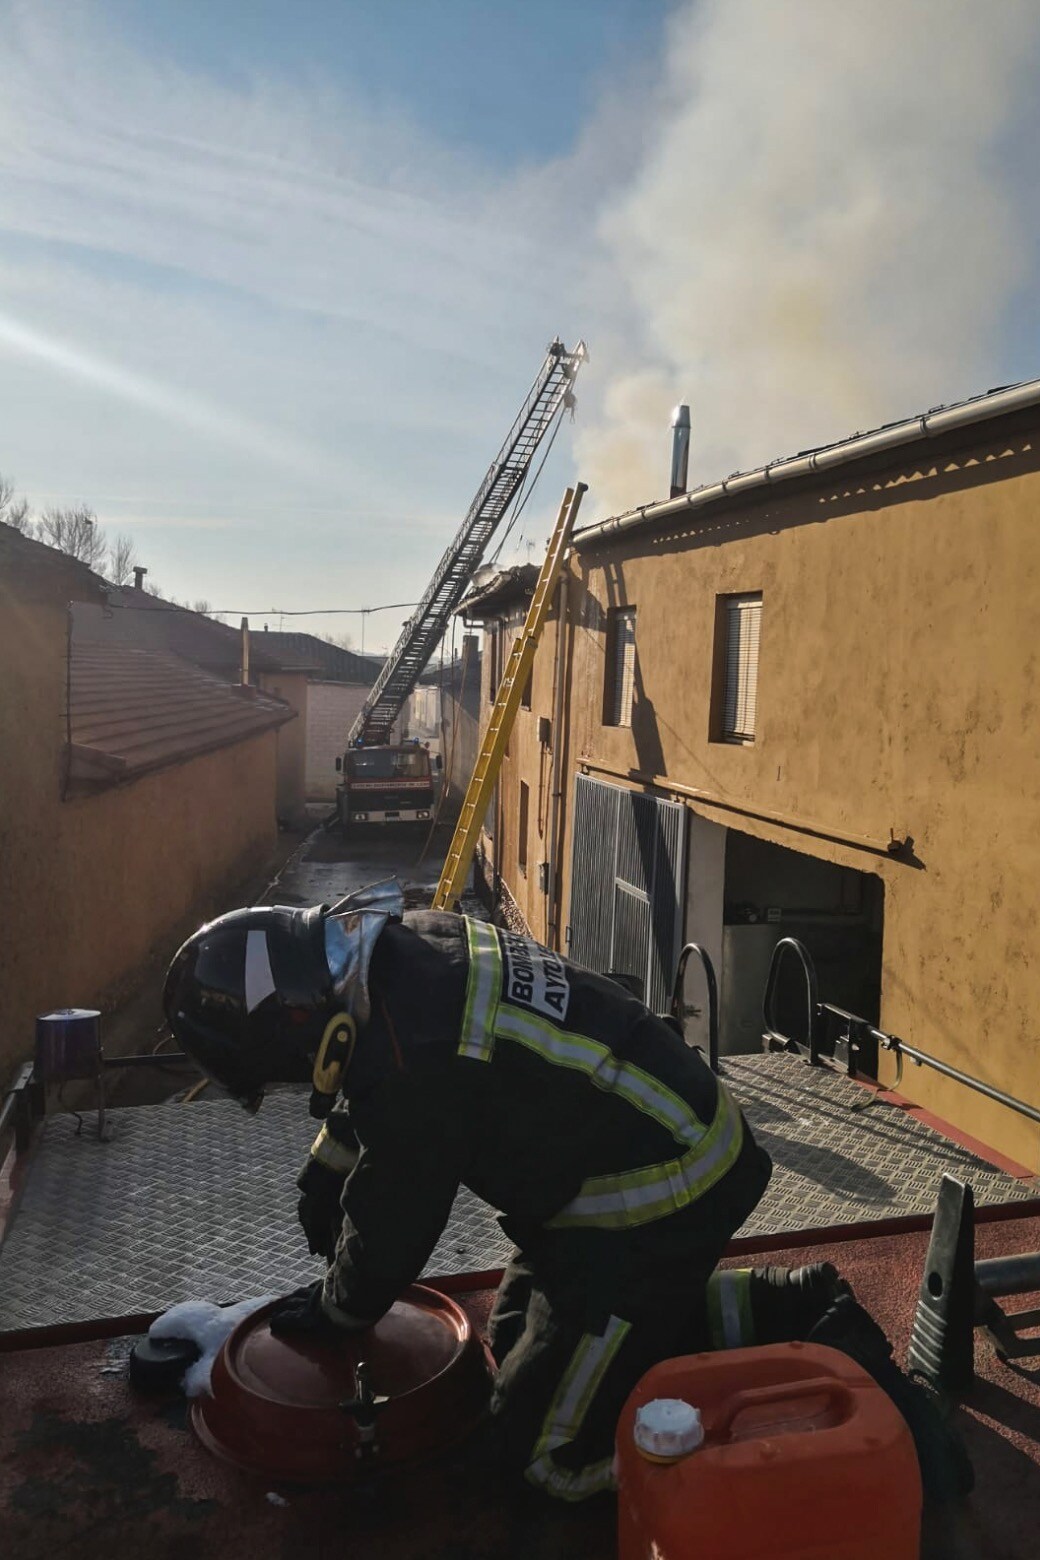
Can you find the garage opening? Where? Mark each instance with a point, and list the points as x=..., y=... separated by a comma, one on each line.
x=838, y=913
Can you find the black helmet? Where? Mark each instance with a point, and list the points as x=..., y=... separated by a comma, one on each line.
x=250, y=996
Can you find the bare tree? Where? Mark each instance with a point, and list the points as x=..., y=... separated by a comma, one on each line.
x=122, y=556
x=76, y=532
x=14, y=512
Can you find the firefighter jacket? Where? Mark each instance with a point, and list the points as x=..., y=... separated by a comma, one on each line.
x=555, y=1096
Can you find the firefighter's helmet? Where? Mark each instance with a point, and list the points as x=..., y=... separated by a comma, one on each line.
x=274, y=994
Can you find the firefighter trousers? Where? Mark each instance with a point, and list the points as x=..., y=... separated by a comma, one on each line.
x=570, y=1351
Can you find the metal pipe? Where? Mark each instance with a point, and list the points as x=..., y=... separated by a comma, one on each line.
x=932, y=424
x=552, y=908
x=245, y=651
x=891, y=1043
x=727, y=804
x=680, y=450
x=1015, y=1275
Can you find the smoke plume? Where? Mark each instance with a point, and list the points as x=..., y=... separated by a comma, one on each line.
x=824, y=233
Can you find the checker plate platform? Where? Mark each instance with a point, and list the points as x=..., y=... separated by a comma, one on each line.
x=198, y=1201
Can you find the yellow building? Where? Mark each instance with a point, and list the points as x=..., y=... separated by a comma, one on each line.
x=803, y=702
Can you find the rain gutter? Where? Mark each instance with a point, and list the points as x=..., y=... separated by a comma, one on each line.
x=929, y=425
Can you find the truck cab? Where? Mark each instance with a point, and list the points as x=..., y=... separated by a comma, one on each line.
x=391, y=783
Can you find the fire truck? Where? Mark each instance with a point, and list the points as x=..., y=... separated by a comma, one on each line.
x=386, y=782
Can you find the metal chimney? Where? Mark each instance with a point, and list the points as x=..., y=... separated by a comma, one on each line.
x=680, y=449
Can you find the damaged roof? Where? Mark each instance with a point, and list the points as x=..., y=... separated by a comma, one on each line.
x=495, y=590
x=134, y=710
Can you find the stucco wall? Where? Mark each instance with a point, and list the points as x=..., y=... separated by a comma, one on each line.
x=527, y=760
x=92, y=885
x=291, y=742
x=899, y=681
x=332, y=709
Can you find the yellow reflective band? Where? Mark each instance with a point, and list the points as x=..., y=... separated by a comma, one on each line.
x=598, y=1062
x=640, y=1196
x=483, y=988
x=333, y=1155
x=571, y=1401
x=730, y=1320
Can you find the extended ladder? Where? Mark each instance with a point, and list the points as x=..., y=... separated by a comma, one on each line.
x=503, y=715
x=425, y=629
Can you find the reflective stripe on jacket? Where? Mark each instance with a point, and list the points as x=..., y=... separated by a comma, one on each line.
x=517, y=992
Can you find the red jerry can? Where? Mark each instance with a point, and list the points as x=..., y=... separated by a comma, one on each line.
x=798, y=1455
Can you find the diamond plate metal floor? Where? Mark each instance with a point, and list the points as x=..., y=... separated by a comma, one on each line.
x=835, y=1165
x=186, y=1202
x=198, y=1201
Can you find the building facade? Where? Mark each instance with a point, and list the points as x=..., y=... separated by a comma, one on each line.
x=137, y=792
x=803, y=703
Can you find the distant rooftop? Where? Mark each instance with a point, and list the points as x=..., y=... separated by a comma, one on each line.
x=135, y=710
x=133, y=617
x=331, y=662
x=32, y=568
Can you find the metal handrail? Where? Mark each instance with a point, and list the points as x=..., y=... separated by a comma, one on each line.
x=679, y=1004
x=891, y=1043
x=812, y=998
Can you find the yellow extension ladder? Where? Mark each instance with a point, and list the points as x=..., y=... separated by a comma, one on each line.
x=503, y=715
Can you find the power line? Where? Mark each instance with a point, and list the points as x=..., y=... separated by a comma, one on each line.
x=132, y=606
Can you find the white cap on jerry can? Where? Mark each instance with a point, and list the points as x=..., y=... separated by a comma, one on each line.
x=668, y=1428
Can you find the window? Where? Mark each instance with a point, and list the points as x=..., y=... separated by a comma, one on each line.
x=621, y=667
x=738, y=623
x=525, y=697
x=521, y=844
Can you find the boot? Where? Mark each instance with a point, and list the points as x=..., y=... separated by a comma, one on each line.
x=787, y=1303
x=946, y=1471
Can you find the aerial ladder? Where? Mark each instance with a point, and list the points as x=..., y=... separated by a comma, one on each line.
x=507, y=472
x=503, y=714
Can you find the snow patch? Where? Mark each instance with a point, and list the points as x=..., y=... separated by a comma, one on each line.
x=207, y=1325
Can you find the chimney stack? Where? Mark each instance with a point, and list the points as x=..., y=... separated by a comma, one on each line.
x=680, y=449
x=139, y=574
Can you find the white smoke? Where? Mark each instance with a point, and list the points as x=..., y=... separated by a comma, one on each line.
x=823, y=234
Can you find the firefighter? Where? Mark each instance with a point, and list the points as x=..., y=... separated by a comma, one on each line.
x=443, y=1051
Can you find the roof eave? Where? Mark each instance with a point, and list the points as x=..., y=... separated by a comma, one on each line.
x=928, y=425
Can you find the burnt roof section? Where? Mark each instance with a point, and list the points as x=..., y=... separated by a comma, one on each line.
x=133, y=711
x=133, y=617
x=331, y=662
x=505, y=588
x=32, y=569
x=1002, y=401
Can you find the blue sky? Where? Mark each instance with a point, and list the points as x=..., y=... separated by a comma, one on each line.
x=274, y=278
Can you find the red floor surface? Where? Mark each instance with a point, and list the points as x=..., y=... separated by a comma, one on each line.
x=88, y=1469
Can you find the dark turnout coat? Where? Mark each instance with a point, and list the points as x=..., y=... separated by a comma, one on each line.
x=549, y=1091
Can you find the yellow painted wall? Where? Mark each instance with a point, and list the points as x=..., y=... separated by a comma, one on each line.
x=527, y=760
x=291, y=742
x=92, y=885
x=899, y=692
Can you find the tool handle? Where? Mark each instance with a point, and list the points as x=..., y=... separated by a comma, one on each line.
x=782, y=1392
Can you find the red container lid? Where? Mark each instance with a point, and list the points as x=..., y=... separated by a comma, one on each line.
x=276, y=1403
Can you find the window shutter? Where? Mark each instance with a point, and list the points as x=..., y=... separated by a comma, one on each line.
x=743, y=625
x=624, y=666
